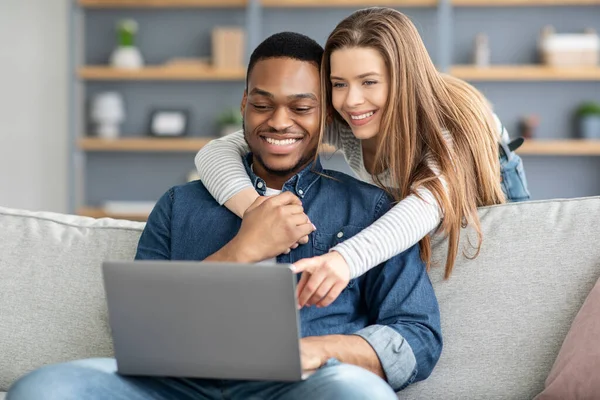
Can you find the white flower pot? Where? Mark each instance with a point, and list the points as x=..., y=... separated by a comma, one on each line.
x=127, y=57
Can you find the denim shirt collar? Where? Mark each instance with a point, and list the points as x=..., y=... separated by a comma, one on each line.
x=299, y=184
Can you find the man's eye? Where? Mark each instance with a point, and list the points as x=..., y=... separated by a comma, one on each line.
x=302, y=109
x=259, y=107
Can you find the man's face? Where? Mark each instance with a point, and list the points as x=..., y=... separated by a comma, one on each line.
x=281, y=115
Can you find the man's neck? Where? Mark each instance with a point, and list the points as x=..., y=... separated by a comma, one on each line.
x=273, y=181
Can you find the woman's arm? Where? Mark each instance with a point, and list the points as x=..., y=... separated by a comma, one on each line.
x=396, y=231
x=222, y=172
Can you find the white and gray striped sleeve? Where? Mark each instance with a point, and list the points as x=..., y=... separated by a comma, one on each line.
x=403, y=226
x=220, y=166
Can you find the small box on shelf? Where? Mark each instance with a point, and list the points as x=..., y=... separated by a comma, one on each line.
x=569, y=49
x=228, y=47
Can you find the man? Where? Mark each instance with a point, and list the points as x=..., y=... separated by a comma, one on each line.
x=381, y=334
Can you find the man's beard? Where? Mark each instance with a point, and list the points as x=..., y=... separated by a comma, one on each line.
x=283, y=172
x=304, y=160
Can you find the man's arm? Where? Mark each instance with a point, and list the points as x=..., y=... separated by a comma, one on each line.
x=349, y=349
x=155, y=241
x=404, y=342
x=406, y=329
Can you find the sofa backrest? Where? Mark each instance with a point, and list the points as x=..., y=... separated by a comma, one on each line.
x=52, y=305
x=504, y=314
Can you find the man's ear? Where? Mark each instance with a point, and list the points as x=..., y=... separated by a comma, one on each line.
x=244, y=100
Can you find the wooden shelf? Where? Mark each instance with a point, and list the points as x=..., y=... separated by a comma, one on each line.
x=163, y=73
x=149, y=144
x=348, y=3
x=144, y=144
x=564, y=147
x=160, y=3
x=525, y=73
x=525, y=3
x=100, y=213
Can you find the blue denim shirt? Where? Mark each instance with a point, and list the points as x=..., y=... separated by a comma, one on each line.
x=392, y=306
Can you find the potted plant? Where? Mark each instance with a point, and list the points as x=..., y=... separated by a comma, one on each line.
x=588, y=118
x=126, y=55
x=230, y=121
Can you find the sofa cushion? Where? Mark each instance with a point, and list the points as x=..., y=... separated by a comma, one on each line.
x=51, y=294
x=505, y=314
x=575, y=371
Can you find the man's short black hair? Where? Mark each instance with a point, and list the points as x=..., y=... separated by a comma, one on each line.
x=286, y=45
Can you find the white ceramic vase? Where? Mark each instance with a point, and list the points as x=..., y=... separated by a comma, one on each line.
x=127, y=57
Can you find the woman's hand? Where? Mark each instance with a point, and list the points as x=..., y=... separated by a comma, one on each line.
x=323, y=279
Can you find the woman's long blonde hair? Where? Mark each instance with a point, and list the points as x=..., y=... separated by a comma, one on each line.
x=422, y=104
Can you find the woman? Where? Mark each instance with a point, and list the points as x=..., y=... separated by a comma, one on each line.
x=429, y=139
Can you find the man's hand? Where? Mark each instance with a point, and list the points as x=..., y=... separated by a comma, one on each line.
x=323, y=279
x=271, y=226
x=312, y=353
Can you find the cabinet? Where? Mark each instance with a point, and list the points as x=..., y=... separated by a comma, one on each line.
x=139, y=167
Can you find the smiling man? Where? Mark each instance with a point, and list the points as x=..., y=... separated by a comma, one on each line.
x=383, y=331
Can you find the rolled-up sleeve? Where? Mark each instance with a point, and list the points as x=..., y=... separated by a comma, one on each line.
x=395, y=354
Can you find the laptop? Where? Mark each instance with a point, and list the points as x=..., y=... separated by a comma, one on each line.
x=204, y=319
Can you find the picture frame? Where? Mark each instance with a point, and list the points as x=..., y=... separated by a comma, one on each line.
x=168, y=123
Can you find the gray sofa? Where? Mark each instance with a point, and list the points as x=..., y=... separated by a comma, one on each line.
x=504, y=315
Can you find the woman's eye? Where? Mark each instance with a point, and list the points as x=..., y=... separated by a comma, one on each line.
x=338, y=85
x=302, y=109
x=369, y=83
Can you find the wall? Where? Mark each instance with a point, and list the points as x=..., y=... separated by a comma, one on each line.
x=33, y=104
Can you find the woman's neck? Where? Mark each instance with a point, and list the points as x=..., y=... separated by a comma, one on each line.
x=369, y=149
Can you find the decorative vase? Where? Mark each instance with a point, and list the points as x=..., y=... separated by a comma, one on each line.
x=126, y=54
x=127, y=57
x=589, y=127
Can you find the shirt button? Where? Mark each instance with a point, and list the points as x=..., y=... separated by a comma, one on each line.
x=340, y=234
x=260, y=185
x=301, y=192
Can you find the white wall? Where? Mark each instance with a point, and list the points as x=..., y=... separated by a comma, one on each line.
x=33, y=104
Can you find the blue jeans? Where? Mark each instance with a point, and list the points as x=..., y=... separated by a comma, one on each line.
x=96, y=379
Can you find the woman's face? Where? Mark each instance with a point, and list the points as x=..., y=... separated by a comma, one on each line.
x=359, y=81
